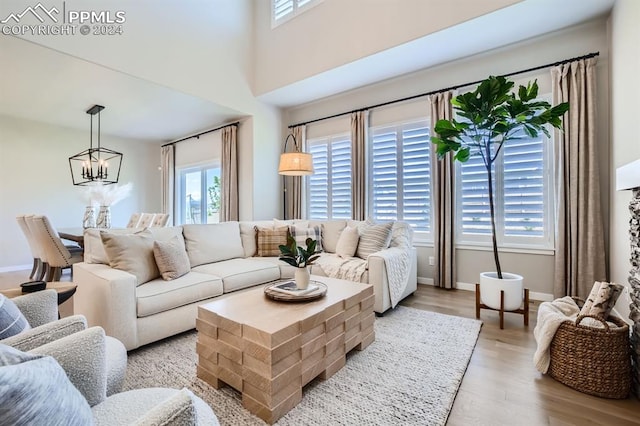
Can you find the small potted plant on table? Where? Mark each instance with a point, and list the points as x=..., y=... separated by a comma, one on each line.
x=300, y=258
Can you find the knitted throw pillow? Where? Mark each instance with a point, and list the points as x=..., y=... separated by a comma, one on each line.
x=171, y=258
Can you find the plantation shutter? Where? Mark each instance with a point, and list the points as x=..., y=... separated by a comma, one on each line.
x=475, y=216
x=524, y=208
x=329, y=187
x=282, y=8
x=400, y=174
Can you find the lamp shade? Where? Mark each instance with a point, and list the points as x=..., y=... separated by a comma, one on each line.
x=296, y=164
x=628, y=176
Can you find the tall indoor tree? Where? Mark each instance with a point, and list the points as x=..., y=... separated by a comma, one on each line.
x=490, y=117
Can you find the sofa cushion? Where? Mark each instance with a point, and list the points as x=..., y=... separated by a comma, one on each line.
x=290, y=222
x=268, y=240
x=212, y=242
x=286, y=270
x=248, y=235
x=241, y=273
x=36, y=390
x=373, y=238
x=171, y=258
x=330, y=233
x=132, y=253
x=93, y=247
x=348, y=242
x=159, y=295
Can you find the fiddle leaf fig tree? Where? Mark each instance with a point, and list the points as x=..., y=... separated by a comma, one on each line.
x=490, y=117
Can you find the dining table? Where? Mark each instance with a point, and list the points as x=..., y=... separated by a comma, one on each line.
x=72, y=234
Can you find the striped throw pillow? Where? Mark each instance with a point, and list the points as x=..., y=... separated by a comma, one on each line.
x=268, y=240
x=373, y=238
x=12, y=321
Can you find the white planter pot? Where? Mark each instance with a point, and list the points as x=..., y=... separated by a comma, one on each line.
x=490, y=286
x=302, y=278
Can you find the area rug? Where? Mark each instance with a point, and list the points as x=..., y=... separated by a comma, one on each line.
x=410, y=375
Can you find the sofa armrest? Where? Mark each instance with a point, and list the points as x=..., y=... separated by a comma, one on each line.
x=107, y=298
x=46, y=333
x=38, y=308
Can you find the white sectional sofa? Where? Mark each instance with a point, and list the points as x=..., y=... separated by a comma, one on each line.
x=137, y=306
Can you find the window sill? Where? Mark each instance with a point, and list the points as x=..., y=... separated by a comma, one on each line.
x=523, y=250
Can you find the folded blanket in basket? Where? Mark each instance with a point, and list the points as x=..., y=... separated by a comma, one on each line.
x=550, y=316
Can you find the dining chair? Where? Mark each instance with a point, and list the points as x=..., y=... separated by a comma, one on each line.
x=134, y=220
x=38, y=269
x=55, y=254
x=160, y=220
x=146, y=220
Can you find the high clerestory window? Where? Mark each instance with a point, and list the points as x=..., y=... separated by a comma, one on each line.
x=283, y=10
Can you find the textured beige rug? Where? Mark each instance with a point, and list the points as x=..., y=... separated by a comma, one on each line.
x=410, y=375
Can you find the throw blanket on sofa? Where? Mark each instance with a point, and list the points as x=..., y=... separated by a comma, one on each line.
x=350, y=269
x=550, y=316
x=398, y=265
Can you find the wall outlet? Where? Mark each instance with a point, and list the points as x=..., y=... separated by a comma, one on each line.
x=432, y=261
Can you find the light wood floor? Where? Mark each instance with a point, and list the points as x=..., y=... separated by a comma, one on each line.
x=501, y=386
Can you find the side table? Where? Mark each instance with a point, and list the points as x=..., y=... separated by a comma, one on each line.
x=65, y=290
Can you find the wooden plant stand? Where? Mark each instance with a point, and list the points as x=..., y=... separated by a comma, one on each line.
x=523, y=311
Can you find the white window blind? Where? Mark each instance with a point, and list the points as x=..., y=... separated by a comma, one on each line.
x=283, y=10
x=400, y=174
x=329, y=187
x=523, y=196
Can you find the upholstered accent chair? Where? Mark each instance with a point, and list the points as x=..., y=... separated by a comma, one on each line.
x=83, y=391
x=41, y=311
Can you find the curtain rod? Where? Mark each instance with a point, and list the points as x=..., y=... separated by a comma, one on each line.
x=201, y=133
x=433, y=92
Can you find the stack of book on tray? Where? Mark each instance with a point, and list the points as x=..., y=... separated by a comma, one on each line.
x=289, y=287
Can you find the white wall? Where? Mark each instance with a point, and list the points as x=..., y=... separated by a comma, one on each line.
x=35, y=178
x=625, y=144
x=576, y=41
x=337, y=32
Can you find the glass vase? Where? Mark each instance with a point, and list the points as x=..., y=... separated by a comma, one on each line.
x=89, y=220
x=104, y=217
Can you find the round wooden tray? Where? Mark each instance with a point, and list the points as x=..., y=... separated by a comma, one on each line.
x=283, y=297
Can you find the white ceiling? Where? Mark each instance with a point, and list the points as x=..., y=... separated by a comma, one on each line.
x=46, y=85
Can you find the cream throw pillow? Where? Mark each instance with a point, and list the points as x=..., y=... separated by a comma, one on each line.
x=373, y=238
x=347, y=242
x=171, y=258
x=132, y=253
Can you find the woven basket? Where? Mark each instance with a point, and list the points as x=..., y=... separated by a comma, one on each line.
x=592, y=360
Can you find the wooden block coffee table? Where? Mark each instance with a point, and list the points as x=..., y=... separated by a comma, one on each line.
x=269, y=350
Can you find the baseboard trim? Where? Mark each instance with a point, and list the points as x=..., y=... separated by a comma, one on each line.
x=533, y=295
x=15, y=268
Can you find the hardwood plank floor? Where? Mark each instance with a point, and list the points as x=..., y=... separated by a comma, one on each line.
x=501, y=385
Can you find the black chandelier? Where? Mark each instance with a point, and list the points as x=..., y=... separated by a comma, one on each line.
x=95, y=166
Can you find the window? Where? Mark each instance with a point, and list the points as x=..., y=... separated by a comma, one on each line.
x=400, y=174
x=329, y=187
x=199, y=194
x=283, y=10
x=524, y=196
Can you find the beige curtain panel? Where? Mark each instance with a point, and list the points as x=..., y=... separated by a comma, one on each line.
x=294, y=184
x=359, y=130
x=443, y=185
x=168, y=181
x=229, y=172
x=580, y=255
